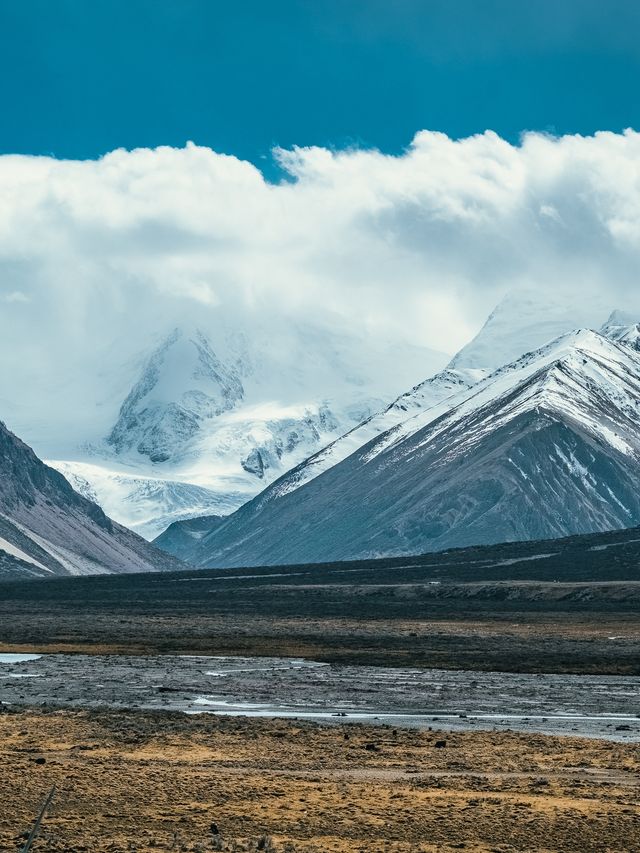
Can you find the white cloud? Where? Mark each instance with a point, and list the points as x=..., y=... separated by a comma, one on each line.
x=418, y=246
x=14, y=296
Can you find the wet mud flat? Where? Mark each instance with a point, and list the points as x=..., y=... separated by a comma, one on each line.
x=146, y=781
x=589, y=706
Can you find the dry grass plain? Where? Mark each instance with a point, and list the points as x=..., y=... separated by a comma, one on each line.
x=136, y=781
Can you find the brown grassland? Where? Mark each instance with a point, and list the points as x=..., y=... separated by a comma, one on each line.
x=137, y=781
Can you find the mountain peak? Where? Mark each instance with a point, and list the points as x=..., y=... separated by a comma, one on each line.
x=619, y=318
x=182, y=384
x=623, y=328
x=523, y=321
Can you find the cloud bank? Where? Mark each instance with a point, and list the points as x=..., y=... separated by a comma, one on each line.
x=96, y=256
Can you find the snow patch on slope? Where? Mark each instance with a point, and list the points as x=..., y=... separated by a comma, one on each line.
x=13, y=551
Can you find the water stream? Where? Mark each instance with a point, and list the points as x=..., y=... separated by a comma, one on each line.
x=592, y=706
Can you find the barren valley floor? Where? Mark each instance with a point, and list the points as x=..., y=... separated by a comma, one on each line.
x=158, y=781
x=151, y=780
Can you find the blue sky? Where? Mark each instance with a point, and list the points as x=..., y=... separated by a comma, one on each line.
x=80, y=78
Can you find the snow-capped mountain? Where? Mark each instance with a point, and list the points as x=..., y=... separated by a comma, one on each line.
x=623, y=328
x=523, y=321
x=517, y=325
x=207, y=420
x=421, y=398
x=181, y=536
x=546, y=446
x=207, y=424
x=183, y=385
x=46, y=528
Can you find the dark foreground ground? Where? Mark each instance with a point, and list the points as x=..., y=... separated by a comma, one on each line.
x=563, y=606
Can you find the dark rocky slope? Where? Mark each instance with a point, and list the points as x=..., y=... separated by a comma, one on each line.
x=47, y=528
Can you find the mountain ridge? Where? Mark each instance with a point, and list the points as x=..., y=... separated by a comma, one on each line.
x=571, y=404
